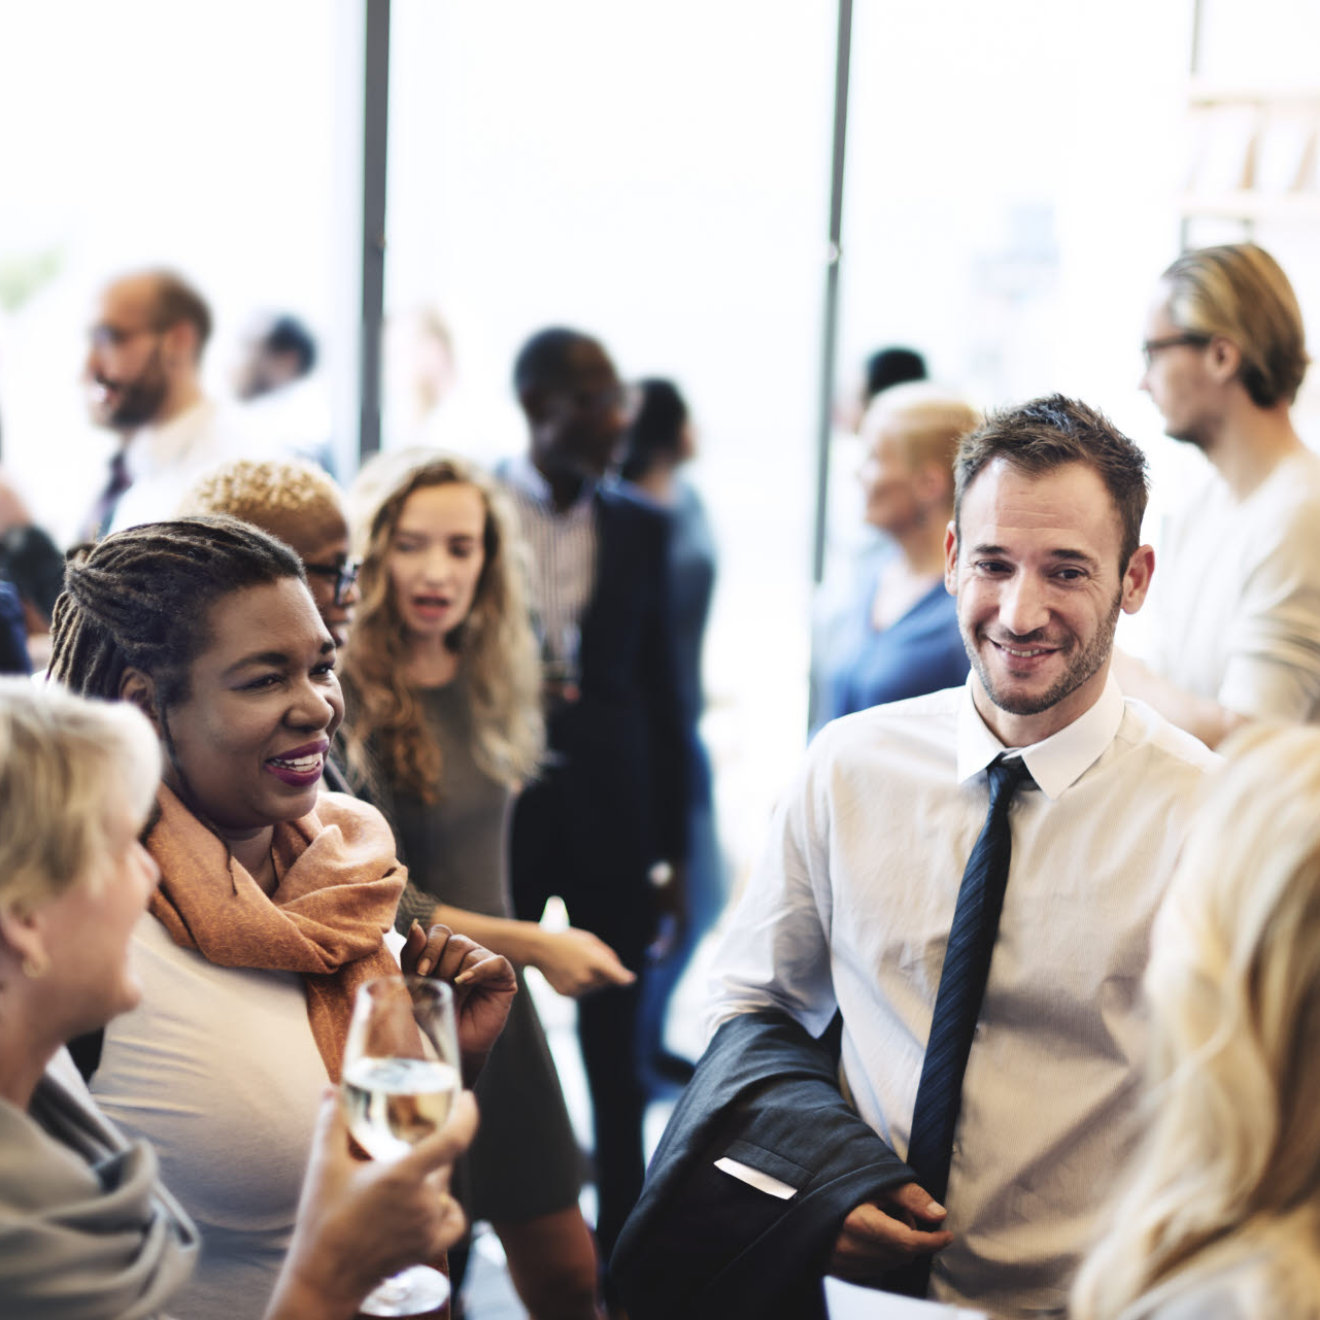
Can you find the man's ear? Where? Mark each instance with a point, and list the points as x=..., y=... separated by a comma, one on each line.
x=1136, y=579
x=21, y=934
x=535, y=403
x=931, y=482
x=139, y=690
x=180, y=342
x=951, y=559
x=1225, y=359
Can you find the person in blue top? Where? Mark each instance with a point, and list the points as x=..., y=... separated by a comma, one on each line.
x=899, y=637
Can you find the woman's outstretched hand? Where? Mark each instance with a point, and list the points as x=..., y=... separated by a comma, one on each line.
x=575, y=962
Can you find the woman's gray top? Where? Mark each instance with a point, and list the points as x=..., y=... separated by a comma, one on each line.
x=525, y=1161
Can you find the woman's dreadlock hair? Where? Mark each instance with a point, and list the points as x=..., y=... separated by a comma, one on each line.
x=139, y=599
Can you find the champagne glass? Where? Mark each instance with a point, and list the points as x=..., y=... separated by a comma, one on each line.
x=401, y=1074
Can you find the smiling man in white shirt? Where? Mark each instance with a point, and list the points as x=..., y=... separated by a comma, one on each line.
x=852, y=906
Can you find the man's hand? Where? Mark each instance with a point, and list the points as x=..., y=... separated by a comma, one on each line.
x=484, y=984
x=359, y=1221
x=575, y=962
x=879, y=1236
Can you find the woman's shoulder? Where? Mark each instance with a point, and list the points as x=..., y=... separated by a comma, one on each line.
x=357, y=820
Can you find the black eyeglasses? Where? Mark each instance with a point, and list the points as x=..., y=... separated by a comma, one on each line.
x=344, y=576
x=1153, y=346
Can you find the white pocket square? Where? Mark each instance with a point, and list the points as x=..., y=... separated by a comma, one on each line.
x=763, y=1182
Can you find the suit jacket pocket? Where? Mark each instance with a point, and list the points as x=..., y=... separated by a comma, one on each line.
x=774, y=1166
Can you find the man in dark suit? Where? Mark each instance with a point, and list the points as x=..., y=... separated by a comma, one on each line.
x=602, y=827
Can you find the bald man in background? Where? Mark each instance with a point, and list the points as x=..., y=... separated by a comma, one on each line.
x=143, y=381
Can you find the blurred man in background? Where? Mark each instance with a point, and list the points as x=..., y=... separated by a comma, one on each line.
x=604, y=825
x=285, y=408
x=143, y=381
x=1237, y=606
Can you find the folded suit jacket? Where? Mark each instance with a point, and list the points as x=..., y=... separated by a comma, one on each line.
x=702, y=1243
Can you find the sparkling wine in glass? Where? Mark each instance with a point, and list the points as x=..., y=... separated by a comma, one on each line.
x=401, y=1075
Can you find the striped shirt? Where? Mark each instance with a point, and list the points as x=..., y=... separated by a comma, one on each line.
x=563, y=547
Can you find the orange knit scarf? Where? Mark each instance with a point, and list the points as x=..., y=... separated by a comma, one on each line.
x=338, y=884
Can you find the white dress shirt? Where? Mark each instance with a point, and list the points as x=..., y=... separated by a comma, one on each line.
x=563, y=551
x=165, y=461
x=851, y=908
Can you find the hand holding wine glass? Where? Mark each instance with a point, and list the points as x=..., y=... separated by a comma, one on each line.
x=401, y=1076
x=359, y=1221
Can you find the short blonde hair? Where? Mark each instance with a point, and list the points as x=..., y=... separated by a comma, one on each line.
x=930, y=419
x=66, y=764
x=1230, y=1170
x=1239, y=291
x=276, y=495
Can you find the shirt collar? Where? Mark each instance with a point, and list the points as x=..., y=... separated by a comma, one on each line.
x=1057, y=762
x=523, y=475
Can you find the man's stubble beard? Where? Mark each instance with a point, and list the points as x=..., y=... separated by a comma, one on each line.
x=142, y=397
x=1084, y=666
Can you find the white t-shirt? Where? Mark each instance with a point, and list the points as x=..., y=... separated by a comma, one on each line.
x=1235, y=600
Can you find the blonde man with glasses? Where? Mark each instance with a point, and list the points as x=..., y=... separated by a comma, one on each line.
x=1237, y=604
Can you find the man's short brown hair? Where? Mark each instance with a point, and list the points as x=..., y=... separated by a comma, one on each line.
x=1045, y=434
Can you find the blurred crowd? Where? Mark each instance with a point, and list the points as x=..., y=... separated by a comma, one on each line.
x=1018, y=1012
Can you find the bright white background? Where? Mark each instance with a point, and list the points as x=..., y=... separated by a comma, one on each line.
x=657, y=174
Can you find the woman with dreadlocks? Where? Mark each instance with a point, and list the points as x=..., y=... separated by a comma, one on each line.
x=273, y=896
x=86, y=1227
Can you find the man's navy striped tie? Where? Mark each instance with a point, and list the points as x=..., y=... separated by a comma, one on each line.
x=958, y=1001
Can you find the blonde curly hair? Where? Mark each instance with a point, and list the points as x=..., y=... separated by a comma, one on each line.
x=294, y=500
